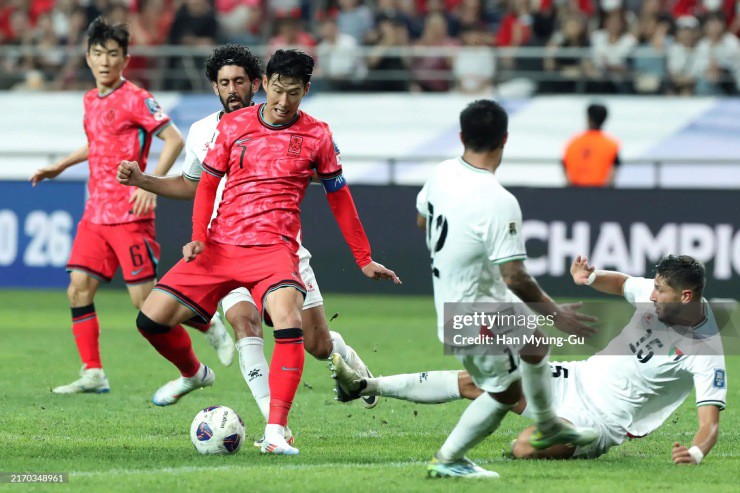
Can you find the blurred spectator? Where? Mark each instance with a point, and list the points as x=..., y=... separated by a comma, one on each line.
x=650, y=56
x=431, y=72
x=440, y=7
x=610, y=51
x=392, y=9
x=565, y=71
x=591, y=157
x=717, y=59
x=474, y=65
x=515, y=29
x=682, y=57
x=194, y=25
x=150, y=21
x=388, y=68
x=279, y=9
x=340, y=65
x=290, y=34
x=355, y=19
x=240, y=20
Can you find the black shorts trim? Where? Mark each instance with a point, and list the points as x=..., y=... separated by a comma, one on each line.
x=201, y=315
x=87, y=270
x=278, y=285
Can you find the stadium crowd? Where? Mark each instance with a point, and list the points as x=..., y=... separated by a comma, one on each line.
x=606, y=46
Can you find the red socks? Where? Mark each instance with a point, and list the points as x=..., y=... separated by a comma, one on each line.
x=286, y=369
x=175, y=345
x=86, y=330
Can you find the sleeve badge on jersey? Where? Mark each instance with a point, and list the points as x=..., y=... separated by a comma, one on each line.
x=512, y=228
x=336, y=147
x=153, y=106
x=296, y=144
x=719, y=379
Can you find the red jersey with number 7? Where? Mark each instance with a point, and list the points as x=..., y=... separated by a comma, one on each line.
x=268, y=169
x=119, y=126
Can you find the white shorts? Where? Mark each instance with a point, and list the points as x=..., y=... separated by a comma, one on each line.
x=492, y=373
x=313, y=295
x=570, y=404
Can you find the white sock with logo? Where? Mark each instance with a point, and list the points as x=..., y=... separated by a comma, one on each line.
x=479, y=420
x=428, y=387
x=538, y=391
x=255, y=371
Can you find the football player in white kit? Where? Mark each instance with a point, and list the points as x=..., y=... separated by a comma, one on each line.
x=671, y=345
x=626, y=390
x=474, y=235
x=236, y=74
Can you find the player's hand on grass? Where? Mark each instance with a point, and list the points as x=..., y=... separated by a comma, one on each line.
x=681, y=455
x=192, y=249
x=374, y=270
x=129, y=174
x=144, y=202
x=580, y=270
x=46, y=173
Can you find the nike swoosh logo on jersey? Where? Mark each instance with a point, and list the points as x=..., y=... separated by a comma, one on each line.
x=136, y=272
x=291, y=369
x=243, y=140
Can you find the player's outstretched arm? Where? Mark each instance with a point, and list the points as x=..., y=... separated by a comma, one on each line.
x=609, y=282
x=56, y=169
x=145, y=201
x=344, y=210
x=528, y=290
x=704, y=440
x=172, y=187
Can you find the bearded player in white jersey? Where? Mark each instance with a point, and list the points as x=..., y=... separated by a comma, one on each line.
x=671, y=346
x=474, y=237
x=236, y=74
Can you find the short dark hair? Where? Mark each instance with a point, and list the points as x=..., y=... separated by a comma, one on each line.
x=597, y=114
x=291, y=64
x=682, y=272
x=483, y=125
x=100, y=31
x=233, y=55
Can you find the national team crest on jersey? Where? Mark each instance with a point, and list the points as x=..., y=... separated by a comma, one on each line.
x=512, y=228
x=719, y=379
x=153, y=106
x=296, y=144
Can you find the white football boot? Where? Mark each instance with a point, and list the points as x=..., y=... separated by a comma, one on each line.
x=289, y=438
x=171, y=392
x=92, y=380
x=275, y=443
x=218, y=337
x=354, y=361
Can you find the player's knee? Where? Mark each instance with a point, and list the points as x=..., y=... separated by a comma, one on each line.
x=149, y=326
x=79, y=294
x=467, y=388
x=245, y=325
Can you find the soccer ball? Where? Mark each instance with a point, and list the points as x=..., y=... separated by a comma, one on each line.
x=217, y=430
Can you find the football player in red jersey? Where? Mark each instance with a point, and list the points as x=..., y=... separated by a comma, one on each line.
x=117, y=227
x=252, y=241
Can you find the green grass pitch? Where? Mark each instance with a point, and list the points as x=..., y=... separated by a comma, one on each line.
x=122, y=442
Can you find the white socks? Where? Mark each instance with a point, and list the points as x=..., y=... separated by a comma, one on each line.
x=479, y=420
x=538, y=391
x=339, y=345
x=432, y=387
x=255, y=370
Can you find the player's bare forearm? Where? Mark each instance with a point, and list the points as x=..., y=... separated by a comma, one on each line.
x=525, y=286
x=56, y=169
x=421, y=221
x=172, y=187
x=706, y=436
x=173, y=146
